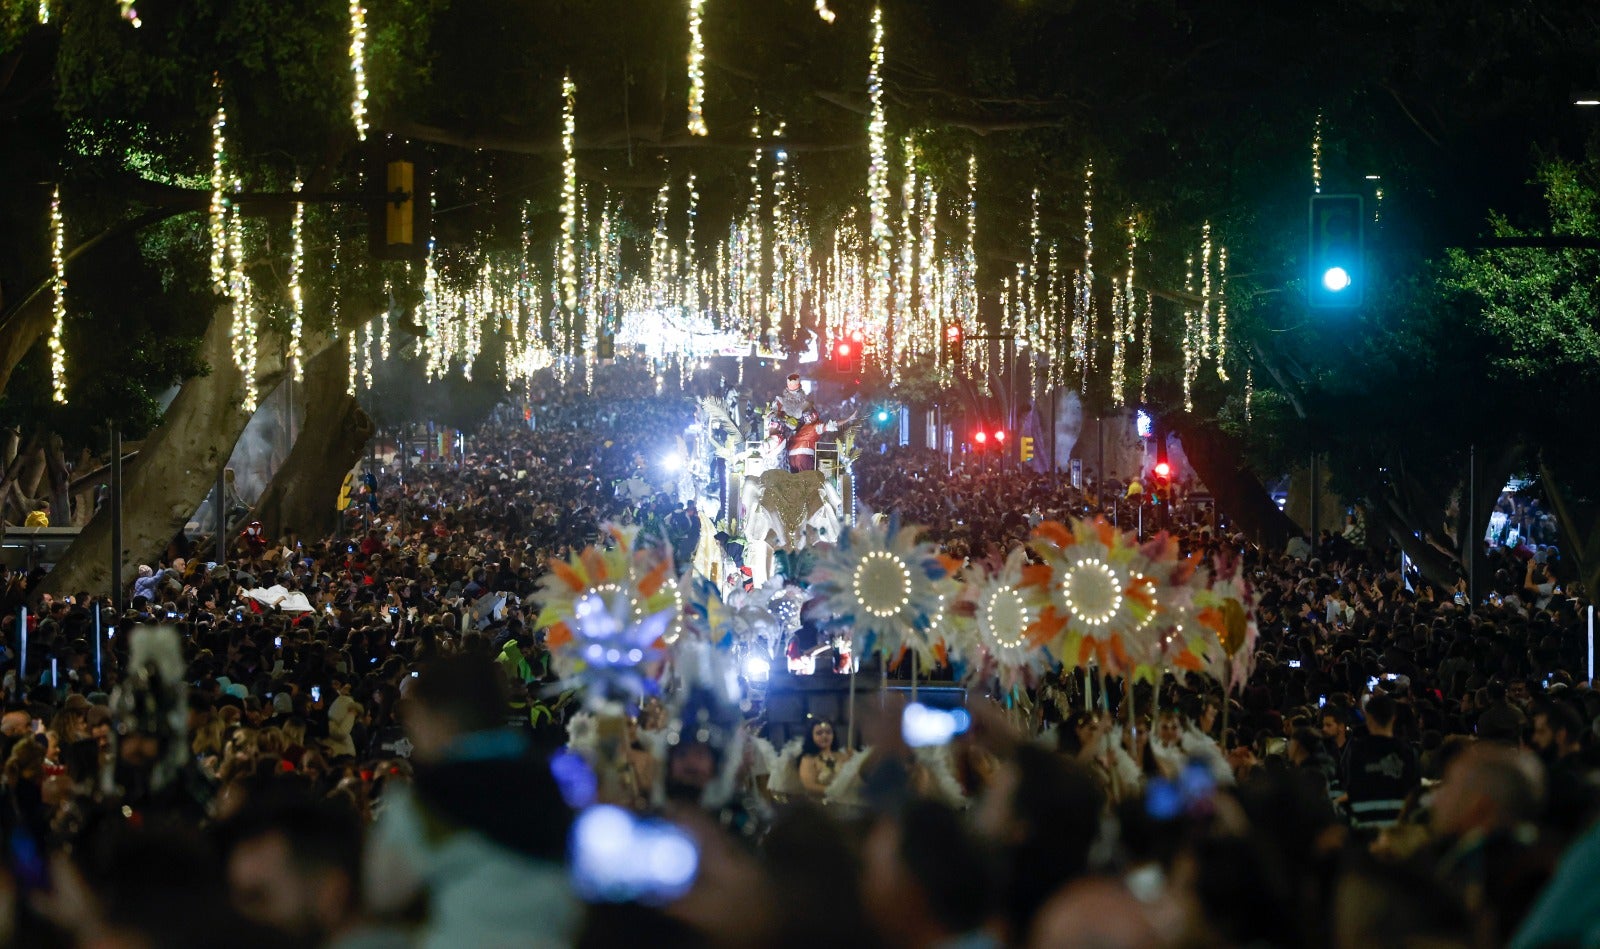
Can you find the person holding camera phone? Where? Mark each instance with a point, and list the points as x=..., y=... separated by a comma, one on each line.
x=1538, y=583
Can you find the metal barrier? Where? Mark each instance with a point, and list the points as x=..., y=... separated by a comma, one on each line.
x=25, y=548
x=827, y=454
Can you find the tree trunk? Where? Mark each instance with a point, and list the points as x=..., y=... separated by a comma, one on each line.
x=1218, y=458
x=303, y=491
x=14, y=469
x=27, y=326
x=60, y=497
x=176, y=465
x=1580, y=531
x=1435, y=564
x=32, y=474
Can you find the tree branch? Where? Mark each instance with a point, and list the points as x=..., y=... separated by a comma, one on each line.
x=1395, y=94
x=621, y=142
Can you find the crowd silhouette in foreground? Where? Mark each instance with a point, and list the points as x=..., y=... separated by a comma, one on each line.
x=392, y=767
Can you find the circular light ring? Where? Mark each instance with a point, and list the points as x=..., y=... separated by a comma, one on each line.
x=1088, y=605
x=1004, y=608
x=881, y=583
x=1150, y=586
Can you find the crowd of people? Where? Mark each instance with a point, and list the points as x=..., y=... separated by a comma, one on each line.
x=395, y=765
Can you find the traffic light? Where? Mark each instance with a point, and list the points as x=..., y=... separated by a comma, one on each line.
x=883, y=416
x=848, y=351
x=980, y=438
x=398, y=226
x=1336, y=279
x=844, y=355
x=951, y=349
x=1000, y=436
x=1163, y=478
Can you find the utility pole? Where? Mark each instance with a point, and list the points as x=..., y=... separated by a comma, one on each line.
x=1473, y=540
x=116, y=521
x=222, y=515
x=1315, y=495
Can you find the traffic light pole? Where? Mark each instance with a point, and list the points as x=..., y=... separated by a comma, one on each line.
x=1010, y=339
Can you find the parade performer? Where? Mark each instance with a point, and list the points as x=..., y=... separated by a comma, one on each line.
x=803, y=443
x=791, y=403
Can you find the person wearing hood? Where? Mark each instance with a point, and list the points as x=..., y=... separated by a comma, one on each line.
x=488, y=861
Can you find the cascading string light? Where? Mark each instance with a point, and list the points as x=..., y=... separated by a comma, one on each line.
x=569, y=196
x=353, y=371
x=1191, y=357
x=1249, y=391
x=1148, y=349
x=1124, y=318
x=1130, y=296
x=44, y=11
x=1034, y=339
x=966, y=282
x=384, y=320
x=697, y=73
x=1083, y=308
x=219, y=199
x=880, y=230
x=366, y=355
x=908, y=328
x=358, y=68
x=824, y=12
x=297, y=303
x=1205, y=290
x=1316, y=155
x=1222, y=314
x=58, y=286
x=1055, y=335
x=243, y=334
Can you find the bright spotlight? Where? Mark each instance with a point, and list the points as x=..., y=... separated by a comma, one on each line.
x=673, y=462
x=757, y=668
x=1336, y=278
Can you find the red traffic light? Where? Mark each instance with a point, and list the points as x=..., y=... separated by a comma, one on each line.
x=981, y=437
x=1163, y=470
x=953, y=332
x=1000, y=436
x=844, y=349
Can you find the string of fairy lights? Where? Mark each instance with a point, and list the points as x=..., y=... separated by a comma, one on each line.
x=297, y=301
x=697, y=74
x=894, y=278
x=358, y=68
x=58, y=285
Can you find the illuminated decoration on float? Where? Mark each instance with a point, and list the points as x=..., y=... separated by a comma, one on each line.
x=640, y=580
x=1002, y=615
x=885, y=587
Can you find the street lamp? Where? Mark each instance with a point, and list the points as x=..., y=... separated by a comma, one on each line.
x=1587, y=99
